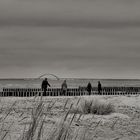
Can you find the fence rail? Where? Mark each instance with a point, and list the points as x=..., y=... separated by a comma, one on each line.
x=27, y=92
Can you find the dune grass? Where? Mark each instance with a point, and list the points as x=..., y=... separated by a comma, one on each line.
x=93, y=106
x=64, y=129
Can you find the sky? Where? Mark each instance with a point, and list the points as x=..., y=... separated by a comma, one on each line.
x=70, y=38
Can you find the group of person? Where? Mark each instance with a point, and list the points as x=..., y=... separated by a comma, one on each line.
x=64, y=87
x=89, y=88
x=45, y=85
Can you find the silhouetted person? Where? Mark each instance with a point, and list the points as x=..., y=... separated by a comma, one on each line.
x=89, y=88
x=64, y=87
x=44, y=85
x=99, y=87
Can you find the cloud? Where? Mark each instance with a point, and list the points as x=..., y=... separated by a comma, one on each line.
x=79, y=13
x=76, y=38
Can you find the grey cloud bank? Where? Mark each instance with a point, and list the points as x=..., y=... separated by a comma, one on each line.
x=90, y=39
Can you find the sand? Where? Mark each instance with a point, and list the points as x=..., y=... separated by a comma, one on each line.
x=123, y=124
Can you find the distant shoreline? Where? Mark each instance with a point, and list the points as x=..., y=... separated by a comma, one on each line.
x=66, y=78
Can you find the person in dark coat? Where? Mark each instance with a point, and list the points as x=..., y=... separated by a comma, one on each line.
x=89, y=88
x=45, y=85
x=99, y=87
x=64, y=87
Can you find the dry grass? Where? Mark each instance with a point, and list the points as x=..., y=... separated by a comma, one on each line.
x=75, y=120
x=93, y=106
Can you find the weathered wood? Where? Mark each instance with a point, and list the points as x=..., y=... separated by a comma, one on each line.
x=27, y=92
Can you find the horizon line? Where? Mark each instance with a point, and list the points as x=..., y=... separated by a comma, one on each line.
x=74, y=78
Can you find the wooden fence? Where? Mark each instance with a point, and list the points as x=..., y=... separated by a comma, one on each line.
x=27, y=92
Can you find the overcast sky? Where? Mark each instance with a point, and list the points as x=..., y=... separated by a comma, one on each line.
x=70, y=38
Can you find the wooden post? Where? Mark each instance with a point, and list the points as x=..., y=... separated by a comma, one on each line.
x=74, y=91
x=48, y=93
x=17, y=93
x=30, y=92
x=7, y=93
x=58, y=93
x=54, y=94
x=52, y=91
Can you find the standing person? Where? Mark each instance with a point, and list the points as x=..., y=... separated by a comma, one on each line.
x=99, y=87
x=64, y=87
x=89, y=88
x=44, y=85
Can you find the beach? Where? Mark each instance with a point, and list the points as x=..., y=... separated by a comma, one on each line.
x=123, y=123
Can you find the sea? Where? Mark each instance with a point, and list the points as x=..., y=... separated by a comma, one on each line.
x=71, y=82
